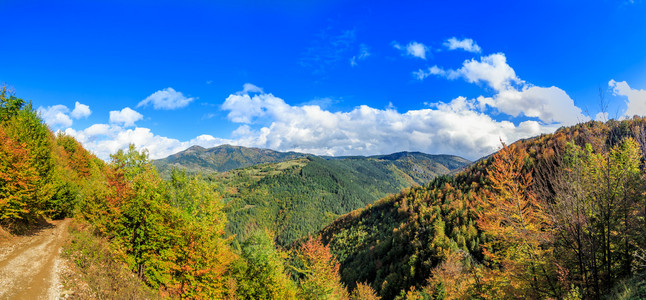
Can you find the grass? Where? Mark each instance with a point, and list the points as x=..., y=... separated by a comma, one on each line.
x=633, y=288
x=96, y=272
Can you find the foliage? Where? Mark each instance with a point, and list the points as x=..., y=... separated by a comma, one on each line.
x=180, y=251
x=587, y=204
x=320, y=272
x=396, y=242
x=559, y=216
x=27, y=164
x=518, y=230
x=299, y=197
x=18, y=180
x=260, y=273
x=104, y=275
x=220, y=159
x=364, y=292
x=599, y=211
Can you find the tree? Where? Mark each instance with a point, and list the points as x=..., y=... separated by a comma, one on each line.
x=10, y=105
x=320, y=272
x=23, y=126
x=364, y=292
x=518, y=229
x=202, y=253
x=260, y=271
x=598, y=212
x=18, y=180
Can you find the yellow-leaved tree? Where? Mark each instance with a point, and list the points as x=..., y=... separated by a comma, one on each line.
x=517, y=228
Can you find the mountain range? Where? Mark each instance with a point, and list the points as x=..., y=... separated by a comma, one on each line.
x=296, y=194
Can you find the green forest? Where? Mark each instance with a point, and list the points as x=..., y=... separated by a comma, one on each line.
x=296, y=198
x=558, y=216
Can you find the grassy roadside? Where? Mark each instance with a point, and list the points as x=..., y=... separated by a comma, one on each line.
x=94, y=272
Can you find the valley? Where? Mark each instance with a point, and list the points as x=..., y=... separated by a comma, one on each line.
x=297, y=197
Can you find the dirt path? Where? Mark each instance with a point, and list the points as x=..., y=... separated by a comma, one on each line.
x=29, y=265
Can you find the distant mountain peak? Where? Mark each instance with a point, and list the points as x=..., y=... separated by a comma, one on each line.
x=195, y=148
x=222, y=158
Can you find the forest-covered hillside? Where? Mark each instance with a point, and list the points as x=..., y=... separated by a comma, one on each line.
x=557, y=216
x=223, y=158
x=298, y=197
x=136, y=235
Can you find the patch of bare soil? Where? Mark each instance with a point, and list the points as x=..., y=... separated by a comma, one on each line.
x=30, y=264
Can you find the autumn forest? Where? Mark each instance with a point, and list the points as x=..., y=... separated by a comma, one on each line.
x=558, y=216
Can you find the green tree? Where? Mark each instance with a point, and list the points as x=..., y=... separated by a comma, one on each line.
x=23, y=125
x=260, y=271
x=598, y=211
x=18, y=180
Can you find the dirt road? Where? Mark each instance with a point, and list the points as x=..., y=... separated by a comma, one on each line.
x=29, y=265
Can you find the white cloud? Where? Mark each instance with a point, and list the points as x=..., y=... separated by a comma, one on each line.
x=466, y=44
x=513, y=96
x=413, y=49
x=243, y=130
x=103, y=140
x=80, y=111
x=491, y=69
x=167, y=99
x=417, y=49
x=55, y=116
x=549, y=104
x=126, y=117
x=249, y=88
x=363, y=54
x=434, y=70
x=97, y=129
x=244, y=108
x=635, y=99
x=601, y=116
x=456, y=128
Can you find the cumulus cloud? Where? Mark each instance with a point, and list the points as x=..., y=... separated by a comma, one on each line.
x=466, y=44
x=460, y=127
x=249, y=88
x=413, y=49
x=635, y=99
x=457, y=127
x=492, y=70
x=513, y=96
x=126, y=117
x=549, y=104
x=80, y=111
x=55, y=116
x=104, y=139
x=167, y=99
x=434, y=70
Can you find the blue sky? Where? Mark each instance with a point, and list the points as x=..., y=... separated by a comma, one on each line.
x=325, y=77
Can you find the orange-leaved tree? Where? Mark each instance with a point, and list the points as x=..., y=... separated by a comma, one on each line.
x=321, y=272
x=18, y=180
x=517, y=228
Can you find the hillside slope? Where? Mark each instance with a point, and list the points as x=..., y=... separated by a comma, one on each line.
x=430, y=240
x=298, y=197
x=220, y=159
